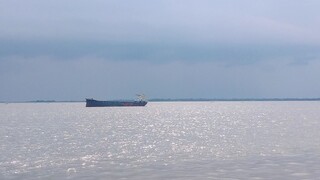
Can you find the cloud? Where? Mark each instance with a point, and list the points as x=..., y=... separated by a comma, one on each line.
x=163, y=21
x=172, y=48
x=226, y=54
x=46, y=78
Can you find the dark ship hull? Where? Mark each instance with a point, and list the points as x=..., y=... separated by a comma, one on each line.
x=95, y=103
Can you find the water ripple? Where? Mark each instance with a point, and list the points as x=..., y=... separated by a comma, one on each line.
x=196, y=140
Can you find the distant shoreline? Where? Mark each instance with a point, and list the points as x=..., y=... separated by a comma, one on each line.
x=182, y=100
x=239, y=99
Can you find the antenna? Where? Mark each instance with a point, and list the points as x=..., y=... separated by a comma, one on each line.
x=141, y=97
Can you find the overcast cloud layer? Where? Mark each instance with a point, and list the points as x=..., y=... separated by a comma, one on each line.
x=70, y=50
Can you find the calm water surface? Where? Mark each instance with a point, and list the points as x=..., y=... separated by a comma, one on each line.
x=176, y=140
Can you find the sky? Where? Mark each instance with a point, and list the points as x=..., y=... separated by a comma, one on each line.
x=103, y=49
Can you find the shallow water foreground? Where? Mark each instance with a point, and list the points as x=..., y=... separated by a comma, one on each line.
x=176, y=140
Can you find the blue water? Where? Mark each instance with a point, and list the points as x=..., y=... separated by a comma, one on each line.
x=176, y=140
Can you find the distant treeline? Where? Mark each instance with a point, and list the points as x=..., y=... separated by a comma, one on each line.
x=183, y=99
x=236, y=99
x=38, y=101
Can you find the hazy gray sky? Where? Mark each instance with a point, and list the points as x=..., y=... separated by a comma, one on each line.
x=70, y=50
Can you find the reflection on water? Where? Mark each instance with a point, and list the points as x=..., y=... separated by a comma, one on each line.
x=181, y=140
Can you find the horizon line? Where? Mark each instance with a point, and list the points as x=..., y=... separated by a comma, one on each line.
x=179, y=99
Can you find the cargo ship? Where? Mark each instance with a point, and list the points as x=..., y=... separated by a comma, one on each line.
x=96, y=103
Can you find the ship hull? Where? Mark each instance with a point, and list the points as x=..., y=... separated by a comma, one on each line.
x=95, y=103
